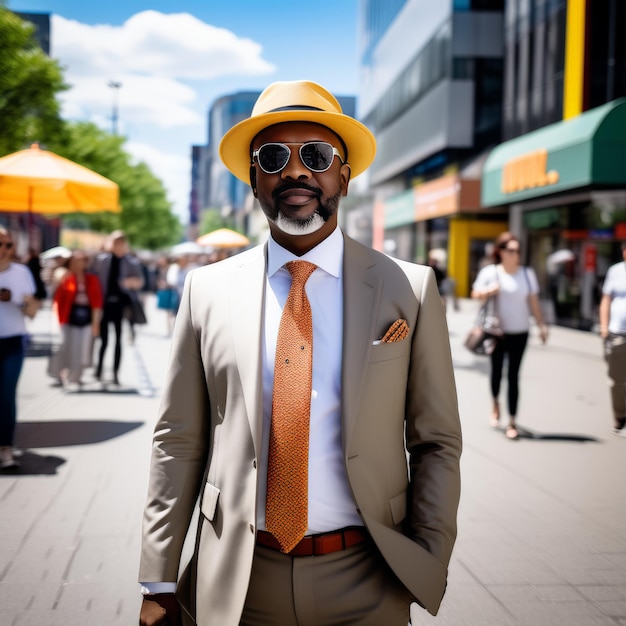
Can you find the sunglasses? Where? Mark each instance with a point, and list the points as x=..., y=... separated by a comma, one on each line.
x=7, y=244
x=317, y=156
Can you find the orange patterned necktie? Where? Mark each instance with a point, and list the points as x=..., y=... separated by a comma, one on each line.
x=286, y=511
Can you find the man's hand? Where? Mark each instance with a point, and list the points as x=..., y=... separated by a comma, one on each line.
x=160, y=609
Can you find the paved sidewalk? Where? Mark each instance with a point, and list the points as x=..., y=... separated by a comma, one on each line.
x=541, y=522
x=70, y=520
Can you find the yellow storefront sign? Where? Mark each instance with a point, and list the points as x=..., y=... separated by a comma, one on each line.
x=528, y=171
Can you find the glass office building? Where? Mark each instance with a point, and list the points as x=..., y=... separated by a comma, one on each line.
x=431, y=90
x=559, y=171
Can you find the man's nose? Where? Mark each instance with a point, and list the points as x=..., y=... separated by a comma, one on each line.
x=295, y=168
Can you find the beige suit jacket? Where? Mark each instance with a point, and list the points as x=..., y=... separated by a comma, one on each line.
x=208, y=436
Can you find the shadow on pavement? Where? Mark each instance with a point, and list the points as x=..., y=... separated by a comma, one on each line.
x=524, y=433
x=109, y=388
x=32, y=464
x=69, y=433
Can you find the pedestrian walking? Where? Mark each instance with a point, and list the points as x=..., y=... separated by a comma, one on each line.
x=302, y=372
x=612, y=315
x=78, y=305
x=119, y=274
x=17, y=301
x=34, y=265
x=515, y=289
x=166, y=292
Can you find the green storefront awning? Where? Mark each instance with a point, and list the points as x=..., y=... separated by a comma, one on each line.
x=586, y=150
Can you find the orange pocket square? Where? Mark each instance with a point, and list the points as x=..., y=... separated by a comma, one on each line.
x=397, y=332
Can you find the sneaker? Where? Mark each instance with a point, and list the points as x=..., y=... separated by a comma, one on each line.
x=72, y=388
x=6, y=458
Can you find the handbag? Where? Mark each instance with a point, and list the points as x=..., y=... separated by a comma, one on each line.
x=167, y=299
x=133, y=311
x=80, y=315
x=484, y=335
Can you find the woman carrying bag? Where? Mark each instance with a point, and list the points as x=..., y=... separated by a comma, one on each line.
x=516, y=290
x=78, y=304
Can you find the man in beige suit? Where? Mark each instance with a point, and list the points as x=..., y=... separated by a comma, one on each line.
x=383, y=434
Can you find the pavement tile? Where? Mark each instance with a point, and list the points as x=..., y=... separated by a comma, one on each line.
x=604, y=593
x=41, y=558
x=541, y=519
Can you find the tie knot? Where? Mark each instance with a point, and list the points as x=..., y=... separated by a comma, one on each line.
x=300, y=271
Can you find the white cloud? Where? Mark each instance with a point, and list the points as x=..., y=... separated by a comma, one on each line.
x=156, y=100
x=177, y=45
x=156, y=57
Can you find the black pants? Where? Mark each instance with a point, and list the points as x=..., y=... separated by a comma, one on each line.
x=112, y=313
x=512, y=345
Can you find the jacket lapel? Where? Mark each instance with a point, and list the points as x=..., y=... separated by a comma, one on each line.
x=361, y=297
x=247, y=330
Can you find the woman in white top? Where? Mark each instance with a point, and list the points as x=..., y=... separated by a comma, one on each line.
x=517, y=289
x=17, y=289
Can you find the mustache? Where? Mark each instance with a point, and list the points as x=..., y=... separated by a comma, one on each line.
x=290, y=186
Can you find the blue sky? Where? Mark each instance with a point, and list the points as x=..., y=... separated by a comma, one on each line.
x=175, y=58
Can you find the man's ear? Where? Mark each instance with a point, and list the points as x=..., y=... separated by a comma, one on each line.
x=253, y=179
x=345, y=173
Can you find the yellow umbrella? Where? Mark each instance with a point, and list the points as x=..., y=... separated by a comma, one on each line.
x=223, y=238
x=40, y=181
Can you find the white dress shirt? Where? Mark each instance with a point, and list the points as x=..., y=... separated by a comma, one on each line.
x=331, y=505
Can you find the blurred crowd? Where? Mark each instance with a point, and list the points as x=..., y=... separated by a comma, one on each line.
x=109, y=287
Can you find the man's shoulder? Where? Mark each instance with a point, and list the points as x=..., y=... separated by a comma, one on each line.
x=615, y=272
x=231, y=263
x=380, y=257
x=20, y=269
x=389, y=266
x=131, y=260
x=101, y=257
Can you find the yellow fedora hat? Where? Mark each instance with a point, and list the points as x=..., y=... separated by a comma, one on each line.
x=296, y=101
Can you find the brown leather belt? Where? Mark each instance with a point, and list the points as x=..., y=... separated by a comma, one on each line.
x=317, y=545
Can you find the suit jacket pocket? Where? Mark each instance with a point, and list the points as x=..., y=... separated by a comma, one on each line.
x=398, y=508
x=209, y=500
x=387, y=351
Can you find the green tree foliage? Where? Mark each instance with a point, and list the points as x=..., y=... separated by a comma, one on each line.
x=29, y=83
x=211, y=220
x=146, y=216
x=29, y=112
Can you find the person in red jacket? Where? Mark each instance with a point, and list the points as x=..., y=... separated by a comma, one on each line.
x=78, y=305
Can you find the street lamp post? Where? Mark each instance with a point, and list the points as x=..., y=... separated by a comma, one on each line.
x=115, y=85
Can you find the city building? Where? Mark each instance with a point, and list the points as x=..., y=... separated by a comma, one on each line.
x=559, y=173
x=431, y=90
x=41, y=22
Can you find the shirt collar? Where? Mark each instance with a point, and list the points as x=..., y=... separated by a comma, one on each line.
x=327, y=255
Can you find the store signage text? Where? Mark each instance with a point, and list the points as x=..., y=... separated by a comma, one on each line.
x=528, y=171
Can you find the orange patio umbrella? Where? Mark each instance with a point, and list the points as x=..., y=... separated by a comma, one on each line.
x=40, y=181
x=223, y=238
